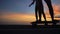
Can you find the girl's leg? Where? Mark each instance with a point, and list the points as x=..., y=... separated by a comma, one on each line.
x=43, y=13
x=36, y=15
x=50, y=8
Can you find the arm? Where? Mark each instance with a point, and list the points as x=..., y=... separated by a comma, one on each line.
x=32, y=3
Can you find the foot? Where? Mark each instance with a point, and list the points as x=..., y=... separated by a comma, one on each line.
x=45, y=22
x=39, y=20
x=54, y=22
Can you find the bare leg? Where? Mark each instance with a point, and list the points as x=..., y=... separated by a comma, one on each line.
x=40, y=9
x=44, y=16
x=36, y=13
x=39, y=15
x=43, y=13
x=50, y=8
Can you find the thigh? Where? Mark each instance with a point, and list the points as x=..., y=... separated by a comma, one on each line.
x=48, y=2
x=36, y=9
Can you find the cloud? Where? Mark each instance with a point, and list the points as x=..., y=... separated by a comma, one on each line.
x=17, y=17
x=23, y=18
x=56, y=9
x=58, y=16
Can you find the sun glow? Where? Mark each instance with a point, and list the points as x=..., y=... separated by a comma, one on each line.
x=23, y=17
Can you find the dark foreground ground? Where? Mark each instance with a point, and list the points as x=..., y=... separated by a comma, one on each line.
x=28, y=29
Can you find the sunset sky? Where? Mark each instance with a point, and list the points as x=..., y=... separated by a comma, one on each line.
x=19, y=12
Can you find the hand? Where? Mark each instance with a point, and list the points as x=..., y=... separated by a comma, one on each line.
x=29, y=5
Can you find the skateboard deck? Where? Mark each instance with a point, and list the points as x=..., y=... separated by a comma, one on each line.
x=37, y=22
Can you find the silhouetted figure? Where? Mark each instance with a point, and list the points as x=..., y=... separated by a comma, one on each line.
x=48, y=2
x=38, y=9
x=50, y=8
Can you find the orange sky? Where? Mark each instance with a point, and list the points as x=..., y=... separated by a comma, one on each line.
x=16, y=17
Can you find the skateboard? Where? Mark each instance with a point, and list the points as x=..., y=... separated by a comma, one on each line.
x=38, y=22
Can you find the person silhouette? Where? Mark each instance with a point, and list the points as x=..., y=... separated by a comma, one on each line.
x=48, y=2
x=38, y=9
